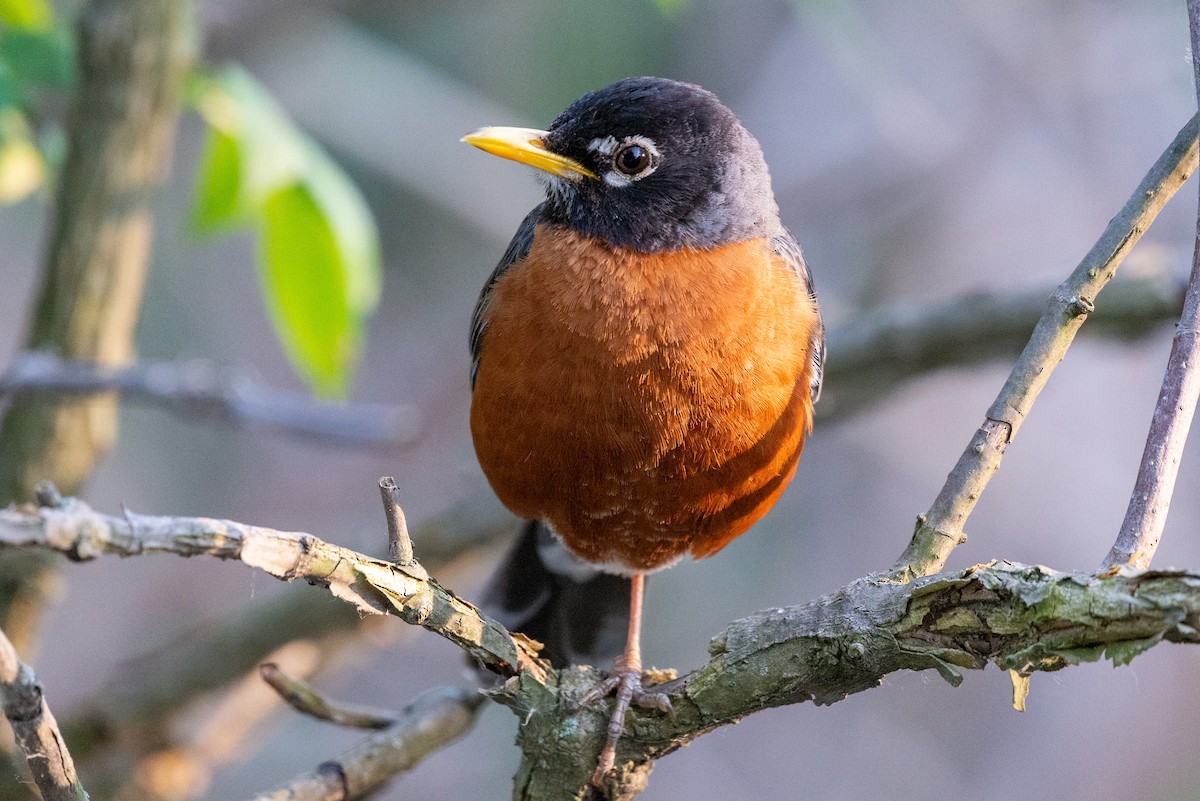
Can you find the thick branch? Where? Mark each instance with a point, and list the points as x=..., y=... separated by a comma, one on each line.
x=132, y=59
x=1021, y=618
x=374, y=586
x=940, y=529
x=202, y=389
x=35, y=729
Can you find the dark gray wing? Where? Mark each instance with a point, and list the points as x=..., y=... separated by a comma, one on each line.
x=789, y=250
x=517, y=250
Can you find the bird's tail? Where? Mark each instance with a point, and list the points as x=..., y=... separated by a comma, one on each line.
x=541, y=590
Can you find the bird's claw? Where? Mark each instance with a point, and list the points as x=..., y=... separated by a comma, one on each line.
x=627, y=683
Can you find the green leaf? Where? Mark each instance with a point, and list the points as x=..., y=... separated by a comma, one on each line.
x=307, y=281
x=318, y=245
x=27, y=14
x=39, y=57
x=218, y=204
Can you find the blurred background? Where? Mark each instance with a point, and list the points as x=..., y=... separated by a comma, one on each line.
x=920, y=150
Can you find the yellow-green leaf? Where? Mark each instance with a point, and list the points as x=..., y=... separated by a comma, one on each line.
x=27, y=14
x=218, y=203
x=318, y=245
x=308, y=289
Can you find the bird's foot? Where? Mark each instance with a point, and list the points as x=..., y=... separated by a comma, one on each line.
x=625, y=681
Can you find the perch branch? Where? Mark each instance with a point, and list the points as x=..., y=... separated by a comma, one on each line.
x=1151, y=499
x=373, y=586
x=200, y=389
x=35, y=729
x=433, y=721
x=304, y=698
x=940, y=529
x=1021, y=618
x=149, y=688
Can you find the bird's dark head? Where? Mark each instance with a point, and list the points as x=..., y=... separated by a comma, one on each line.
x=648, y=164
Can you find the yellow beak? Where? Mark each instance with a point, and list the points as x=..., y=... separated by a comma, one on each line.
x=526, y=146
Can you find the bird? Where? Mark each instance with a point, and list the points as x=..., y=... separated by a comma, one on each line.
x=644, y=362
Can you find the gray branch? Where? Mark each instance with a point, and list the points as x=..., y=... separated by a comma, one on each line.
x=200, y=389
x=35, y=730
x=1020, y=618
x=1146, y=514
x=430, y=723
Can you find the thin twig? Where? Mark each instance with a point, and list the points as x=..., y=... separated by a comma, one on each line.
x=940, y=529
x=304, y=698
x=374, y=586
x=430, y=723
x=35, y=729
x=400, y=548
x=1150, y=502
x=200, y=389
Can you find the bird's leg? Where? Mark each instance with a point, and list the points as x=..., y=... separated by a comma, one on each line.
x=626, y=679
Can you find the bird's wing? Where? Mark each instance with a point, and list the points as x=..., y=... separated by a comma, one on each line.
x=788, y=249
x=517, y=250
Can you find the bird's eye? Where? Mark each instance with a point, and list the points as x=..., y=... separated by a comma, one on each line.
x=632, y=159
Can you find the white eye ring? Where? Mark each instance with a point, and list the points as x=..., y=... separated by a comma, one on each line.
x=643, y=149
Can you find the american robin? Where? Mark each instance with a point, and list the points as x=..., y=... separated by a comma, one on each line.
x=646, y=355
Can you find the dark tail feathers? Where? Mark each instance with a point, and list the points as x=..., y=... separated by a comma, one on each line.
x=546, y=593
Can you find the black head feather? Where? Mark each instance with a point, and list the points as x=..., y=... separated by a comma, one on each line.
x=704, y=181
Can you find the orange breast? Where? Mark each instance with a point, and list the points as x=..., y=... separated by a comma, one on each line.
x=645, y=406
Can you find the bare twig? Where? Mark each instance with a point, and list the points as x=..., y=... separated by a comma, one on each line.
x=202, y=389
x=304, y=698
x=35, y=729
x=1151, y=500
x=940, y=529
x=433, y=721
x=374, y=586
x=400, y=548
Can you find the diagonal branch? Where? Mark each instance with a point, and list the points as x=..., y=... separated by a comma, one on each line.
x=374, y=586
x=433, y=721
x=35, y=729
x=940, y=529
x=1151, y=500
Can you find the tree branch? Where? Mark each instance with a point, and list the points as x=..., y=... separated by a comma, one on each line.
x=304, y=698
x=880, y=349
x=1021, y=618
x=132, y=55
x=433, y=721
x=373, y=586
x=1146, y=514
x=35, y=729
x=203, y=389
x=940, y=529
